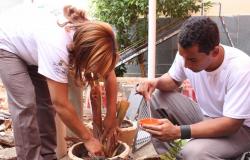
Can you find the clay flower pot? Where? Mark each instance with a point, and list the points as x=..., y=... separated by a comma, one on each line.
x=153, y=157
x=79, y=152
x=127, y=131
x=149, y=121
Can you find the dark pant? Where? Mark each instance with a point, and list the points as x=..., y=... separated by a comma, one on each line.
x=30, y=107
x=181, y=110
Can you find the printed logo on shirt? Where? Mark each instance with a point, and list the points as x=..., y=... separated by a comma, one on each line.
x=61, y=68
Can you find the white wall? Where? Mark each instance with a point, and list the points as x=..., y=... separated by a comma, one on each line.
x=229, y=8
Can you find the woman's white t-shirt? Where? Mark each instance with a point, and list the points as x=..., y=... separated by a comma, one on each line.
x=223, y=92
x=34, y=35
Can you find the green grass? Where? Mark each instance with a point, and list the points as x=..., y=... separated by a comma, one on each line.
x=175, y=148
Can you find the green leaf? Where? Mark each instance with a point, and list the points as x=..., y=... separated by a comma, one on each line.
x=127, y=15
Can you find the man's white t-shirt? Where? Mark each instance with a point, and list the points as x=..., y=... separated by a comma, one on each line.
x=34, y=35
x=223, y=92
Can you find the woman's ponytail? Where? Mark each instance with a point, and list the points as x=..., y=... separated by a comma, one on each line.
x=74, y=17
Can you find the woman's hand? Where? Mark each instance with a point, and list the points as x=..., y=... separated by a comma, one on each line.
x=165, y=130
x=110, y=125
x=94, y=147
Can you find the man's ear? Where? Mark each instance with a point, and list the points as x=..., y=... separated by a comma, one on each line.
x=216, y=51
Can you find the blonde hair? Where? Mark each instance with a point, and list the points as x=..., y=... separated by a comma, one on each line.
x=94, y=47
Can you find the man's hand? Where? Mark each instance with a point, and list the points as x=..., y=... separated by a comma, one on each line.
x=165, y=130
x=94, y=147
x=146, y=88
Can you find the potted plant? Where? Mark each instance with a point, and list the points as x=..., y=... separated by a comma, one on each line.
x=79, y=152
x=113, y=148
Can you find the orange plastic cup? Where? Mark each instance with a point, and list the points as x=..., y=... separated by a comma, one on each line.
x=149, y=121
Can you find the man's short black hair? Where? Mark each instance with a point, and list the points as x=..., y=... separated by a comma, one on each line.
x=199, y=30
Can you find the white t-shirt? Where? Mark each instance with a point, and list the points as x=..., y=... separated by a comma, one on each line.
x=34, y=36
x=223, y=92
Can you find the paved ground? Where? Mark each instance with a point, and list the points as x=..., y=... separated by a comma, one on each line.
x=145, y=151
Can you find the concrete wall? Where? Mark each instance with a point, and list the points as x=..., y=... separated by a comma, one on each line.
x=237, y=19
x=239, y=31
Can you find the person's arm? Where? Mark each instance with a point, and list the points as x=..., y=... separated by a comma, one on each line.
x=163, y=83
x=218, y=127
x=65, y=110
x=211, y=128
x=110, y=122
x=167, y=83
x=111, y=93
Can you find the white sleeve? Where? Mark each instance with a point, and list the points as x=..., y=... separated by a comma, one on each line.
x=177, y=69
x=237, y=101
x=52, y=62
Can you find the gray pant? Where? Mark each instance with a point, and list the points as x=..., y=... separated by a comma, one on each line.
x=30, y=107
x=181, y=110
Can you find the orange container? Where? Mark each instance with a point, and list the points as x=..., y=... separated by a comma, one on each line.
x=149, y=121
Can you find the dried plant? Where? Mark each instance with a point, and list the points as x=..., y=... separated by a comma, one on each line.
x=110, y=143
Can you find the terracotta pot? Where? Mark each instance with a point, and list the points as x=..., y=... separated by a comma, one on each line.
x=78, y=152
x=127, y=131
x=154, y=157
